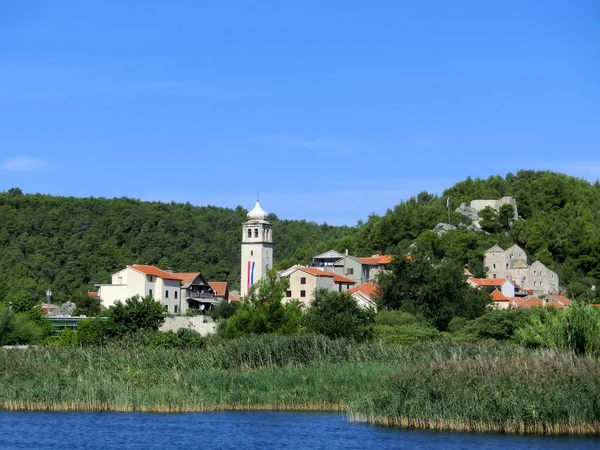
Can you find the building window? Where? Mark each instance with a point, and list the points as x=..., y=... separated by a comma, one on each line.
x=251, y=252
x=166, y=308
x=249, y=233
x=494, y=266
x=150, y=278
x=288, y=294
x=493, y=275
x=166, y=294
x=350, y=271
x=302, y=280
x=150, y=292
x=175, y=294
x=302, y=293
x=175, y=309
x=256, y=232
x=507, y=265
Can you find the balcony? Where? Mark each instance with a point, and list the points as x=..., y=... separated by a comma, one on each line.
x=198, y=295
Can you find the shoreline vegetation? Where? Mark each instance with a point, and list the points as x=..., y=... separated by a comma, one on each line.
x=444, y=385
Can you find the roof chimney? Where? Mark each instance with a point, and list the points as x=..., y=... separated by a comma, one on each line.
x=346, y=252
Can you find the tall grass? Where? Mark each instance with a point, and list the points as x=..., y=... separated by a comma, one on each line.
x=439, y=385
x=542, y=392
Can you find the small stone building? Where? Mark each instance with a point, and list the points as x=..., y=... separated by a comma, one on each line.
x=512, y=264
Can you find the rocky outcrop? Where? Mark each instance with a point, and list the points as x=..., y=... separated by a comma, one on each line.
x=442, y=228
x=470, y=213
x=66, y=309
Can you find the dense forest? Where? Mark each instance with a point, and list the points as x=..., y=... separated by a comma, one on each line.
x=67, y=244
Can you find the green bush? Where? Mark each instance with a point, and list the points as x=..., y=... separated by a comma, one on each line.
x=396, y=317
x=582, y=329
x=66, y=338
x=92, y=332
x=182, y=338
x=337, y=315
x=224, y=310
x=498, y=324
x=18, y=329
x=457, y=324
x=406, y=334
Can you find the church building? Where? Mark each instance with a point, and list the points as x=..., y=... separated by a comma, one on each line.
x=257, y=248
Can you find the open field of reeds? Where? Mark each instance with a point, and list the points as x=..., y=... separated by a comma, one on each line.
x=475, y=387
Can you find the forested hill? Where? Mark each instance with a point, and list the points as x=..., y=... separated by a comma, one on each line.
x=68, y=244
x=560, y=225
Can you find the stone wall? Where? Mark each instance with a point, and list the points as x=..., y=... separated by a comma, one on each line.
x=479, y=205
x=202, y=324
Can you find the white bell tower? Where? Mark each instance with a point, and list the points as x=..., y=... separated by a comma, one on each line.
x=257, y=248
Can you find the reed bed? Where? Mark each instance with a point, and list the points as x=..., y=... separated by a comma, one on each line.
x=466, y=387
x=542, y=392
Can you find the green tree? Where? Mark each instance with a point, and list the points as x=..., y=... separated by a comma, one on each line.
x=337, y=315
x=436, y=289
x=264, y=312
x=17, y=329
x=506, y=216
x=489, y=220
x=136, y=314
x=93, y=332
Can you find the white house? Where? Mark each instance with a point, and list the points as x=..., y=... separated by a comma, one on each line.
x=178, y=292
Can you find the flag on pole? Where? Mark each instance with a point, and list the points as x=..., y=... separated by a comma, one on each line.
x=448, y=202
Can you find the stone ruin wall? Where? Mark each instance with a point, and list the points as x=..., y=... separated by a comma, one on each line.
x=479, y=205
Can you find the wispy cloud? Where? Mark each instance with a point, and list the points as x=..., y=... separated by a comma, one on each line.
x=321, y=145
x=22, y=164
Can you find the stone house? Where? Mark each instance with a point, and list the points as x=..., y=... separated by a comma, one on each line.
x=303, y=281
x=361, y=270
x=512, y=263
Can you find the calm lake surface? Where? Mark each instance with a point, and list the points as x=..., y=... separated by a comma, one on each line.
x=243, y=430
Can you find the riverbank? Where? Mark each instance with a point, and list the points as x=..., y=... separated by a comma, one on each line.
x=485, y=387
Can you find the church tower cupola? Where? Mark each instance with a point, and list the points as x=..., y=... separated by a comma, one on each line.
x=257, y=248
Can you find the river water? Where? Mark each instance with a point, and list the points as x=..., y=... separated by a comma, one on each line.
x=245, y=430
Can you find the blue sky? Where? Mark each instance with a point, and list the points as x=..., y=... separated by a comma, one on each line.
x=332, y=110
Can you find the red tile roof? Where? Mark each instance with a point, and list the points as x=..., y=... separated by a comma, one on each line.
x=220, y=288
x=233, y=298
x=498, y=296
x=155, y=271
x=376, y=260
x=186, y=277
x=321, y=273
x=560, y=299
x=487, y=281
x=369, y=289
x=341, y=279
x=93, y=294
x=529, y=302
